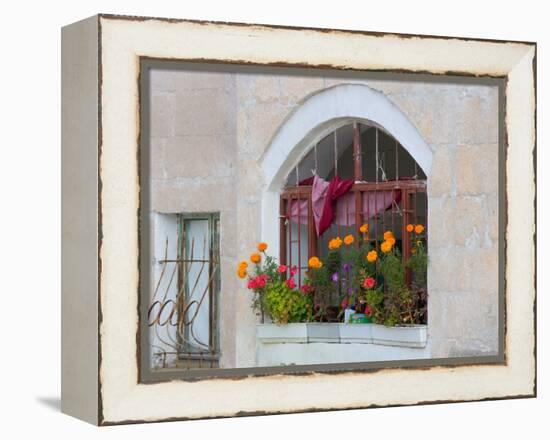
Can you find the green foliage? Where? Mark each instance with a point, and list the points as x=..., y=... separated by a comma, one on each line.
x=393, y=271
x=375, y=299
x=269, y=267
x=418, y=263
x=285, y=305
x=334, y=260
x=394, y=302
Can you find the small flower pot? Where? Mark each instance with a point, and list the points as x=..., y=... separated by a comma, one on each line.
x=360, y=318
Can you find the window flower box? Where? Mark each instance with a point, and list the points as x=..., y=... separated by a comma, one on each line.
x=323, y=332
x=414, y=336
x=281, y=334
x=356, y=333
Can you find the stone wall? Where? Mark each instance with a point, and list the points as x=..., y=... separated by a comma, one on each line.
x=210, y=130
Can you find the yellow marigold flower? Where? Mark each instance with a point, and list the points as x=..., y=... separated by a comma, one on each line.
x=348, y=239
x=372, y=256
x=335, y=243
x=410, y=228
x=241, y=272
x=419, y=229
x=364, y=228
x=391, y=240
x=255, y=258
x=386, y=247
x=262, y=246
x=315, y=263
x=388, y=234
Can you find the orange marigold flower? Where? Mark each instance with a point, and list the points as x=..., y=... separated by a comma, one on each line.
x=262, y=246
x=388, y=234
x=410, y=228
x=391, y=240
x=348, y=239
x=419, y=229
x=335, y=243
x=372, y=256
x=386, y=247
x=241, y=272
x=243, y=265
x=315, y=263
x=364, y=228
x=255, y=258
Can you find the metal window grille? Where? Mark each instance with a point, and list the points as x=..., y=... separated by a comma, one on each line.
x=389, y=169
x=186, y=326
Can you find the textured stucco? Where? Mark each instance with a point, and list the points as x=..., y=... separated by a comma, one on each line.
x=209, y=132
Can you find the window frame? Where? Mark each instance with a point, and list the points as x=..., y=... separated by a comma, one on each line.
x=213, y=355
x=408, y=189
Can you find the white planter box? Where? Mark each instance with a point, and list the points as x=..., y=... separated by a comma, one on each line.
x=314, y=332
x=323, y=332
x=280, y=334
x=356, y=333
x=414, y=336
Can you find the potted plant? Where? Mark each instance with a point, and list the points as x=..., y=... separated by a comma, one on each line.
x=277, y=298
x=382, y=299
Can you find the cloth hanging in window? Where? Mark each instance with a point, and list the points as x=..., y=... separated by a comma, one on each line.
x=333, y=203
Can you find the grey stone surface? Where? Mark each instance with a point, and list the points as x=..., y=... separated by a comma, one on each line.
x=210, y=129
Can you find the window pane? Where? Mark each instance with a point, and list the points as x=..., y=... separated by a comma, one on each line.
x=197, y=249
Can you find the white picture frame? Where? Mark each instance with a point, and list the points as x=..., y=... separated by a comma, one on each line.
x=100, y=136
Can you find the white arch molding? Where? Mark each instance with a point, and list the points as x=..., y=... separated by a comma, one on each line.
x=317, y=116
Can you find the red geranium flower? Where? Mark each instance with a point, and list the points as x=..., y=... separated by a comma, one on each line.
x=290, y=283
x=369, y=283
x=282, y=268
x=258, y=282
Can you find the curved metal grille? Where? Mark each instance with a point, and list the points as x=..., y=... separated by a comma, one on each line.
x=182, y=313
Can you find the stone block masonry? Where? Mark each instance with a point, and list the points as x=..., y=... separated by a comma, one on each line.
x=209, y=130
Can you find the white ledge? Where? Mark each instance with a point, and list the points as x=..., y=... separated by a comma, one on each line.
x=414, y=336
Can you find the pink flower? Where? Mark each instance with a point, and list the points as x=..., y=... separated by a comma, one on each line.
x=282, y=268
x=293, y=271
x=290, y=283
x=369, y=283
x=345, y=303
x=258, y=282
x=306, y=289
x=367, y=310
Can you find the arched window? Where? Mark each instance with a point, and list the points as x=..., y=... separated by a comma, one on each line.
x=356, y=175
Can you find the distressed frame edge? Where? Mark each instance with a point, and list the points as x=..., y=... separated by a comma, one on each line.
x=309, y=28
x=104, y=422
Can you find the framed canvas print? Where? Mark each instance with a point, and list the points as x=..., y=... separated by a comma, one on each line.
x=262, y=219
